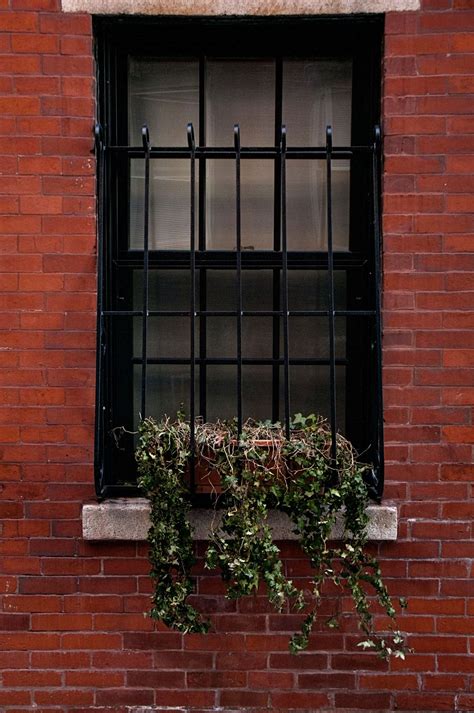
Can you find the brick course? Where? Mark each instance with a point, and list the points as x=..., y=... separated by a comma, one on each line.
x=72, y=633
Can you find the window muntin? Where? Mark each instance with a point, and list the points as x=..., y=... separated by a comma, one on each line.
x=168, y=372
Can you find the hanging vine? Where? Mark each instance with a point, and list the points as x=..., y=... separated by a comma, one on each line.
x=259, y=471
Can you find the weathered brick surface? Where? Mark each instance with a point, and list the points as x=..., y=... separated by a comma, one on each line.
x=72, y=633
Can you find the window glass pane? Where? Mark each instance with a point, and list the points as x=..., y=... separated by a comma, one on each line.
x=257, y=205
x=164, y=94
x=257, y=290
x=169, y=207
x=307, y=209
x=240, y=92
x=317, y=93
x=167, y=390
x=221, y=388
x=309, y=392
x=167, y=337
x=308, y=289
x=309, y=337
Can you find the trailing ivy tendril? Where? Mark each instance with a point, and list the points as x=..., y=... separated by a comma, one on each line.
x=259, y=471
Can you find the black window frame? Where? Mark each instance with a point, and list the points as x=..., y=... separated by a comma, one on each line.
x=355, y=37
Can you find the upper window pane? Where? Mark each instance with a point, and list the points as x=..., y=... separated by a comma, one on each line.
x=240, y=92
x=317, y=93
x=164, y=94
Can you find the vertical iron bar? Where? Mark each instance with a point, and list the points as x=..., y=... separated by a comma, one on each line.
x=100, y=354
x=378, y=314
x=192, y=306
x=239, y=275
x=331, y=306
x=146, y=148
x=284, y=254
x=202, y=242
x=276, y=273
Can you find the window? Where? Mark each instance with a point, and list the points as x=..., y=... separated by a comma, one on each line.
x=243, y=259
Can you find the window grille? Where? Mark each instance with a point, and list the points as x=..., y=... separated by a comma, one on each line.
x=116, y=360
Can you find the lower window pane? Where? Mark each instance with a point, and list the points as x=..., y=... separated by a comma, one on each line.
x=167, y=390
x=309, y=392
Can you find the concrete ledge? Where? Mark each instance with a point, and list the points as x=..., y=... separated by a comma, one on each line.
x=237, y=7
x=128, y=519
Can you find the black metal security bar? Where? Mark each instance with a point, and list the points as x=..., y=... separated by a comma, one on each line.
x=332, y=325
x=238, y=230
x=146, y=270
x=284, y=250
x=192, y=309
x=198, y=261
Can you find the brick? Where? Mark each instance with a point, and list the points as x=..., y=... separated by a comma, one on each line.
x=444, y=105
x=10, y=661
x=395, y=86
x=35, y=43
x=25, y=603
x=456, y=472
x=36, y=84
x=159, y=679
x=132, y=697
x=14, y=622
x=122, y=622
x=460, y=204
x=442, y=531
x=444, y=569
x=67, y=106
x=29, y=679
x=392, y=681
x=434, y=22
x=298, y=699
x=305, y=661
x=61, y=622
x=413, y=164
x=459, y=434
x=20, y=64
x=326, y=680
x=47, y=585
x=443, y=682
x=155, y=641
x=417, y=44
x=456, y=664
x=244, y=698
x=15, y=697
x=465, y=702
x=20, y=224
x=424, y=701
x=454, y=625
x=67, y=697
x=270, y=680
x=76, y=45
x=61, y=146
x=95, y=679
x=19, y=22
x=415, y=125
x=26, y=641
x=449, y=65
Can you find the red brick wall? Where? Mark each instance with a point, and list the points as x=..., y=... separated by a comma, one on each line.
x=73, y=636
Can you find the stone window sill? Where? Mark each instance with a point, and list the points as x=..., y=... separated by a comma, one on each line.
x=128, y=519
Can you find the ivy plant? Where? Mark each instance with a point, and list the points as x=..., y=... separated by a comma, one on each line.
x=260, y=470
